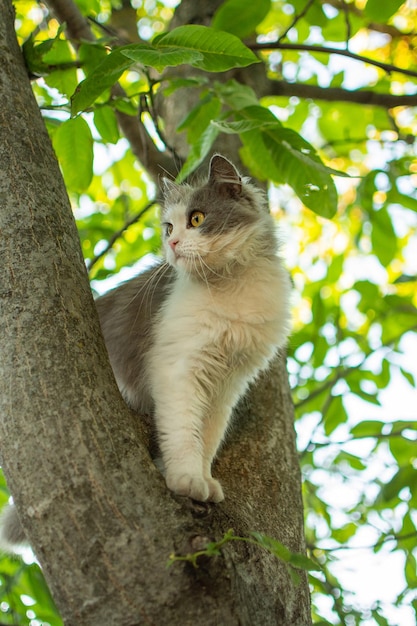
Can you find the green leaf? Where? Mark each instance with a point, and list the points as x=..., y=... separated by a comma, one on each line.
x=273, y=546
x=202, y=47
x=410, y=571
x=353, y=460
x=382, y=11
x=335, y=415
x=160, y=58
x=200, y=117
x=249, y=118
x=244, y=126
x=73, y=144
x=367, y=428
x=240, y=17
x=354, y=386
x=278, y=161
x=91, y=54
x=62, y=71
x=405, y=278
x=34, y=53
x=236, y=95
x=384, y=241
x=287, y=158
x=400, y=425
x=370, y=295
x=299, y=166
x=346, y=532
x=220, y=51
x=106, y=123
x=198, y=152
x=38, y=589
x=183, y=83
x=335, y=269
x=300, y=561
x=408, y=534
x=400, y=447
x=104, y=76
x=409, y=376
x=395, y=197
x=405, y=477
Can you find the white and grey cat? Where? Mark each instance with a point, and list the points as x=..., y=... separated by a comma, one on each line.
x=186, y=337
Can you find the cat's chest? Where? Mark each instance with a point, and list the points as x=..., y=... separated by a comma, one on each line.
x=239, y=308
x=199, y=301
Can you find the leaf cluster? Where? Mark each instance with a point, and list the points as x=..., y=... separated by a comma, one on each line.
x=294, y=560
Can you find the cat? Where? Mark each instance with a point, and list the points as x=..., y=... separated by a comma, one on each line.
x=187, y=336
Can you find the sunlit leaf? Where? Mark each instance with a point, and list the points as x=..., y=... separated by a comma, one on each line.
x=106, y=124
x=104, y=76
x=367, y=428
x=220, y=51
x=240, y=17
x=198, y=152
x=381, y=12
x=405, y=477
x=162, y=57
x=73, y=143
x=384, y=241
x=335, y=415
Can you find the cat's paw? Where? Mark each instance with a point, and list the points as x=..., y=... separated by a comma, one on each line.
x=195, y=487
x=215, y=490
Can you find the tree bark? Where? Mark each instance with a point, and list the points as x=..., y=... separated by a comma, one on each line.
x=94, y=507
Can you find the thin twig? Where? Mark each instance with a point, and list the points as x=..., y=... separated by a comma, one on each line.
x=91, y=262
x=387, y=67
x=338, y=94
x=296, y=19
x=347, y=22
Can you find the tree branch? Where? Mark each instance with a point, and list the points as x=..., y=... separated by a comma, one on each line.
x=337, y=94
x=142, y=146
x=303, y=47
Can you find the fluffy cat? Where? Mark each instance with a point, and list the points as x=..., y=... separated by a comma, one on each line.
x=186, y=337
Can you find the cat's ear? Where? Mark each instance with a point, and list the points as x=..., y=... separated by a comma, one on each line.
x=224, y=173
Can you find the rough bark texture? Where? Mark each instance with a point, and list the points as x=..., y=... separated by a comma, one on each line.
x=96, y=510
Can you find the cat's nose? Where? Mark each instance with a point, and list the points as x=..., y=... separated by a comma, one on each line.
x=173, y=243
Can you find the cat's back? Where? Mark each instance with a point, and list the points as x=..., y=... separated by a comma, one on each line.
x=127, y=316
x=136, y=300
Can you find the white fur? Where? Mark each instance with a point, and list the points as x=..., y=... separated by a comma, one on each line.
x=211, y=340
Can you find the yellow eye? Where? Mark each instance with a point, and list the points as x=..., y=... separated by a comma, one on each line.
x=168, y=229
x=197, y=218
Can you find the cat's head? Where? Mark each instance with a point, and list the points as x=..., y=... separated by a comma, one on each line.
x=210, y=228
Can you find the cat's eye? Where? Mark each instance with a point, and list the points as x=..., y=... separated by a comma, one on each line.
x=197, y=218
x=168, y=229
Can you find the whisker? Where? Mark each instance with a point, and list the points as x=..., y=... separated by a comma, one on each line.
x=147, y=291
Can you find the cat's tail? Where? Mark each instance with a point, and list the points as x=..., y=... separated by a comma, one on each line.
x=12, y=534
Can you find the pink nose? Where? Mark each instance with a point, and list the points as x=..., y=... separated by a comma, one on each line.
x=173, y=243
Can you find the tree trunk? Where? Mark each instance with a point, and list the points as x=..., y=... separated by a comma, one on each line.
x=94, y=507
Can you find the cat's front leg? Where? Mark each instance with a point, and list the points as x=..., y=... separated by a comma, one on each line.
x=211, y=433
x=179, y=422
